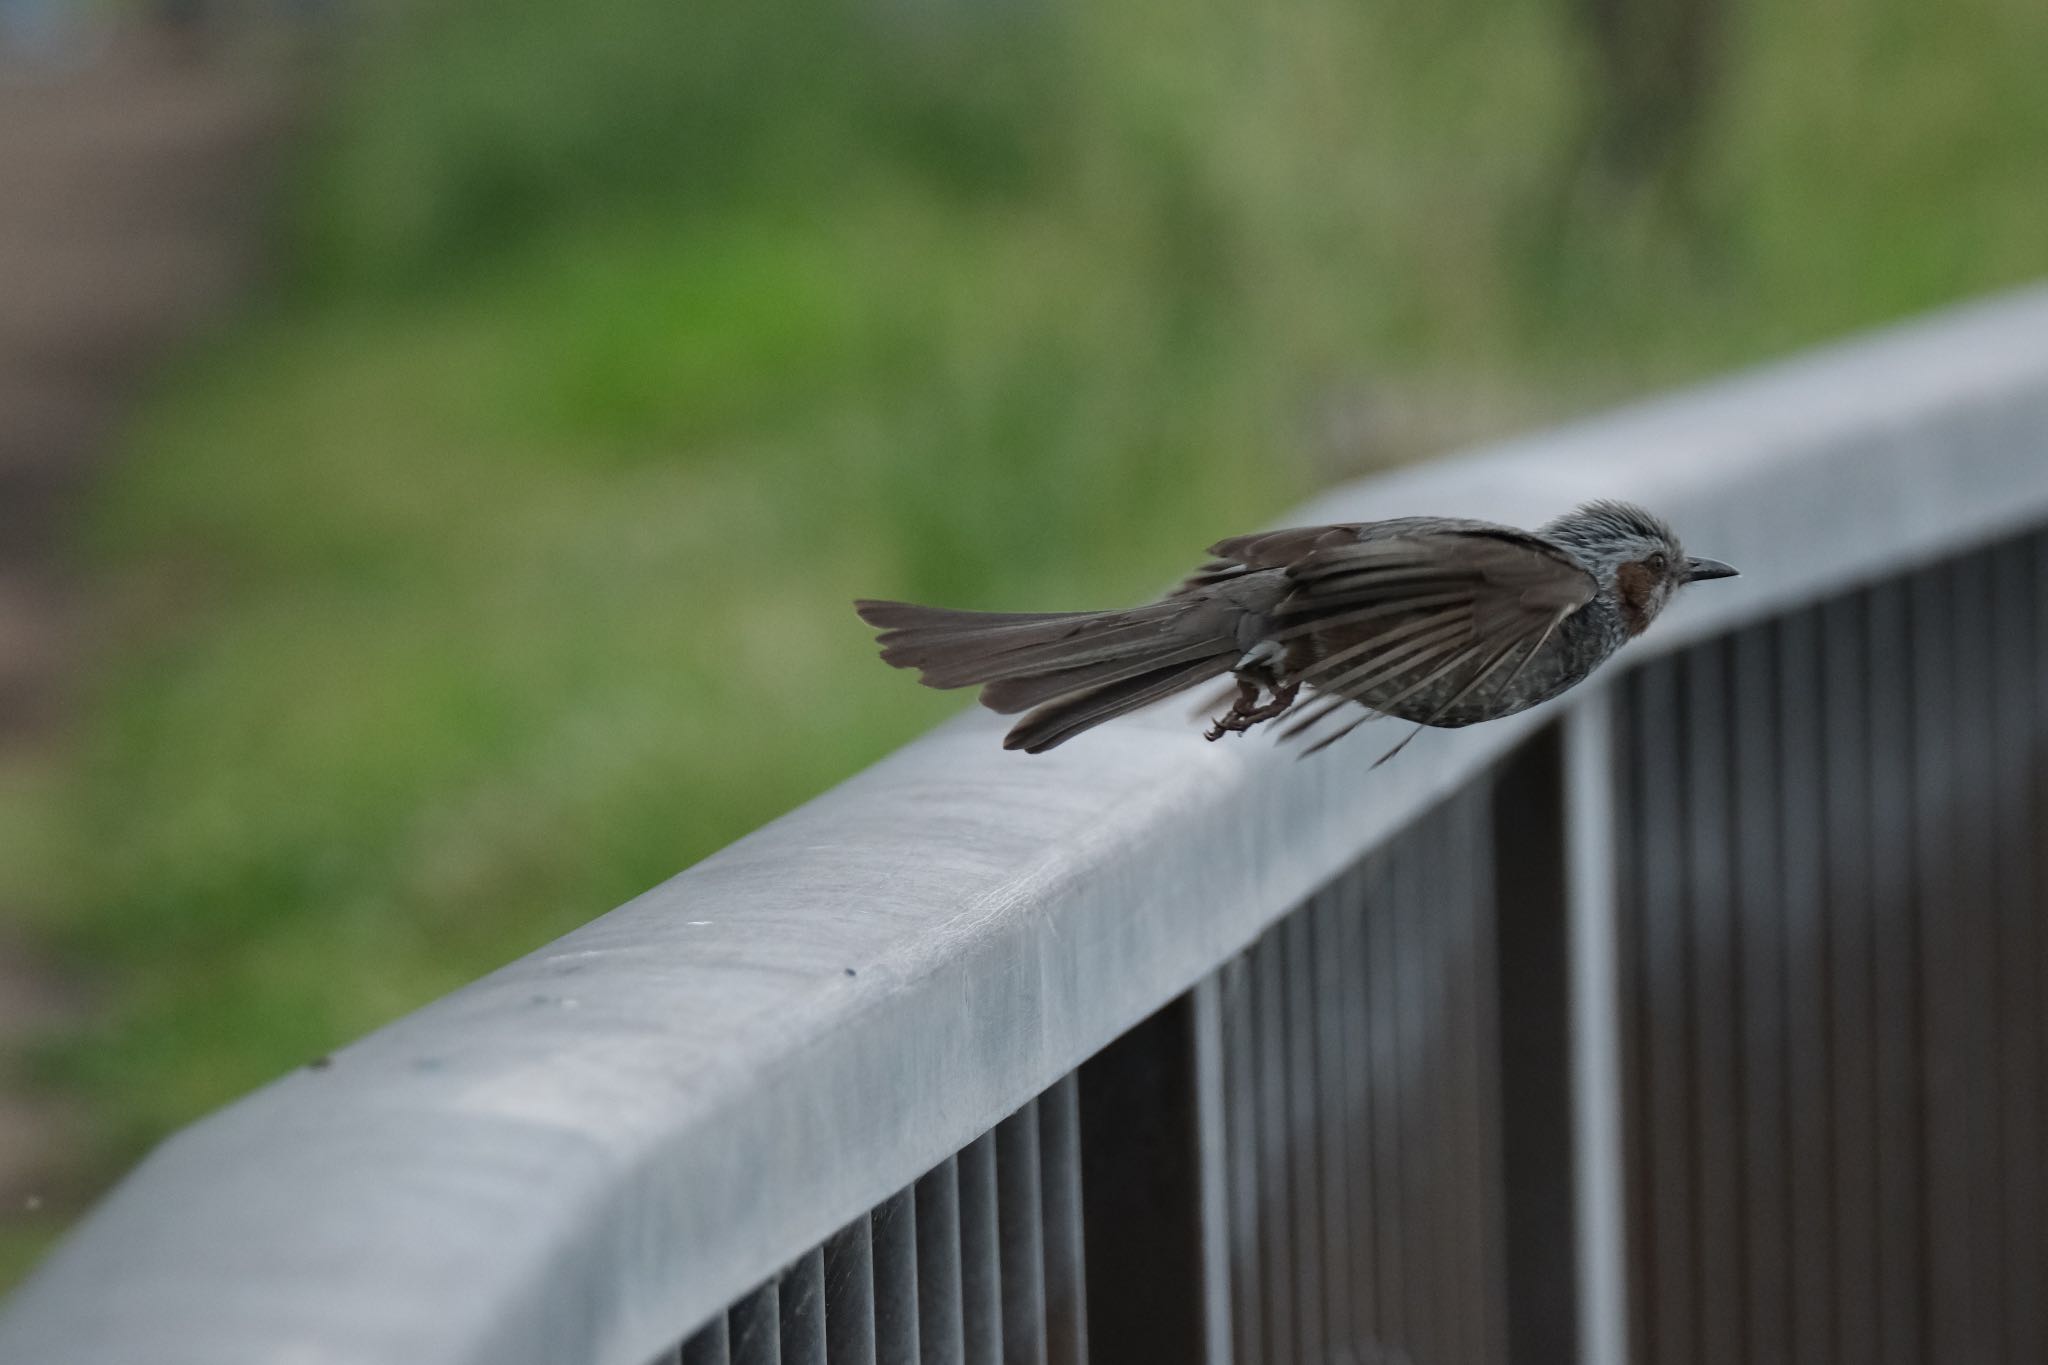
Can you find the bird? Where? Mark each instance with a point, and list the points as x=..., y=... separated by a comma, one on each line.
x=1442, y=621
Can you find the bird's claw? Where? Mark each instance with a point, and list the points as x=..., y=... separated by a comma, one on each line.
x=1246, y=712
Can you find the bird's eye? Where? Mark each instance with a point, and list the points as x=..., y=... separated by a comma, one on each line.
x=1658, y=563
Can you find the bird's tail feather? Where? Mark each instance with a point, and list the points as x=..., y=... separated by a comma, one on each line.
x=1057, y=722
x=1077, y=668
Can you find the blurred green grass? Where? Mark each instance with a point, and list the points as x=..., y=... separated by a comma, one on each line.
x=21, y=1245
x=498, y=567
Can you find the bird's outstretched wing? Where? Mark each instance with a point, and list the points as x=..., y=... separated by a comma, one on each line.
x=1274, y=550
x=1403, y=619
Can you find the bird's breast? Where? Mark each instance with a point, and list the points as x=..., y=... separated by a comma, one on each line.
x=1581, y=643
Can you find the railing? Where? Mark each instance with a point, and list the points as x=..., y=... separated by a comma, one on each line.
x=1698, y=1018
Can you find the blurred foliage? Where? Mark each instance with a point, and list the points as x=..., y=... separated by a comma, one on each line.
x=21, y=1245
x=499, y=567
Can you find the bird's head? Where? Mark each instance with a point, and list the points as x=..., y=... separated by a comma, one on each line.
x=1635, y=555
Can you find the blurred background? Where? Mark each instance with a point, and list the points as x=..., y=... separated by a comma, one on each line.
x=439, y=438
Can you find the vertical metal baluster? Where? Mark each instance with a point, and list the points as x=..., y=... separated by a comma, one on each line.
x=1459, y=1296
x=1851, y=1021
x=711, y=1345
x=1593, y=837
x=801, y=1301
x=1132, y=1187
x=1464, y=1276
x=1215, y=1140
x=1066, y=1296
x=1445, y=914
x=1276, y=1229
x=1943, y=1115
x=1532, y=927
x=1973, y=826
x=1327, y=914
x=894, y=1224
x=1888, y=669
x=1808, y=957
x=1411, y=1079
x=2036, y=748
x=1237, y=1002
x=1423, y=951
x=1662, y=1001
x=941, y=1324
x=1382, y=994
x=1491, y=1172
x=2019, y=1022
x=1709, y=854
x=1019, y=1213
x=1297, y=957
x=757, y=1328
x=1357, y=1091
x=981, y=1280
x=1759, y=991
x=850, y=1294
x=1629, y=877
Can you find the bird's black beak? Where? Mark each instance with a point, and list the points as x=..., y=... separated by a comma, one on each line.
x=1699, y=570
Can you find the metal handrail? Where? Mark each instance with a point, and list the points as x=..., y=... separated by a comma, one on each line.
x=583, y=1155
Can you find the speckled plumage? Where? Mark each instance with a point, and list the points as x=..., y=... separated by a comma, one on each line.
x=1441, y=621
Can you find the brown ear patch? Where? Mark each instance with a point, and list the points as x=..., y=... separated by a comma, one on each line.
x=1636, y=586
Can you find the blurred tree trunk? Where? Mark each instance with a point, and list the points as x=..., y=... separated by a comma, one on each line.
x=1659, y=64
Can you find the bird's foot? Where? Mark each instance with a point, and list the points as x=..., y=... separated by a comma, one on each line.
x=1246, y=712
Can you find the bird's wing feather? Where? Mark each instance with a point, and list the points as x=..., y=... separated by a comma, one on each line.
x=1279, y=549
x=1289, y=546
x=1398, y=615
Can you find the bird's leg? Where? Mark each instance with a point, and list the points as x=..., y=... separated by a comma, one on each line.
x=1234, y=720
x=1246, y=712
x=1283, y=697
